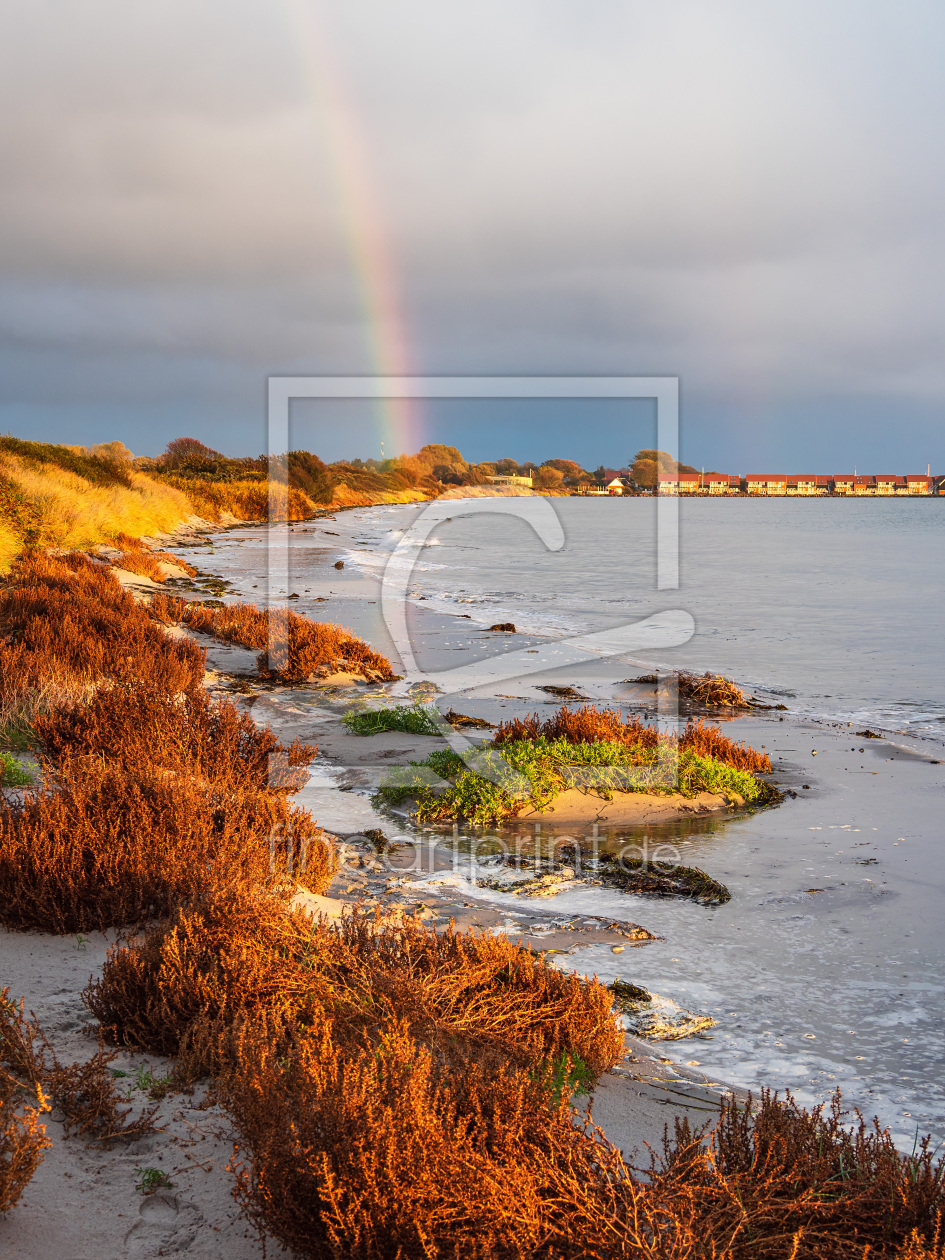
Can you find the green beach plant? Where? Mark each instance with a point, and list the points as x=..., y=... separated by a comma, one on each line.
x=13, y=773
x=415, y=719
x=444, y=788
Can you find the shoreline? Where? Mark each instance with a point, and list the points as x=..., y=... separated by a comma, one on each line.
x=633, y=1102
x=888, y=802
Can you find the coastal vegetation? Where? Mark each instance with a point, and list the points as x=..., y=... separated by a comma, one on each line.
x=396, y=1091
x=595, y=750
x=54, y=496
x=415, y=719
x=306, y=650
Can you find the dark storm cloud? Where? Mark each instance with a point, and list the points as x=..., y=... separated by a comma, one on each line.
x=746, y=194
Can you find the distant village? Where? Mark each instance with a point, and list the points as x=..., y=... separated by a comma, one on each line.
x=764, y=485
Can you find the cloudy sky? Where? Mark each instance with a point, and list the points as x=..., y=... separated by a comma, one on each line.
x=749, y=195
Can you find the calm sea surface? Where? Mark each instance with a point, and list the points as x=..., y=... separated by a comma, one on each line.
x=836, y=605
x=827, y=967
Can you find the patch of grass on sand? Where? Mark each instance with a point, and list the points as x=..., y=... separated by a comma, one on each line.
x=13, y=773
x=415, y=719
x=551, y=766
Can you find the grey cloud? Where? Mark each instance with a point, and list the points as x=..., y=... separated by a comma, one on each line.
x=748, y=194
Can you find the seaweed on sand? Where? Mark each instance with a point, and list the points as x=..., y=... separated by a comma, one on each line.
x=634, y=875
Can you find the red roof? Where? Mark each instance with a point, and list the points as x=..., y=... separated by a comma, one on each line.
x=919, y=477
x=766, y=477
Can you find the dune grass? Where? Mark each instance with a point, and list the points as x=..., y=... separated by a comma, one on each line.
x=46, y=505
x=247, y=500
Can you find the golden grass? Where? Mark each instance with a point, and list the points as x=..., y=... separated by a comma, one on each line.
x=73, y=513
x=313, y=649
x=246, y=500
x=9, y=545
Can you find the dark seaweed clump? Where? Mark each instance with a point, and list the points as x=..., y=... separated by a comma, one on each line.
x=637, y=876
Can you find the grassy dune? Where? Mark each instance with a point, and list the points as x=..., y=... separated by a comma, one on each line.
x=44, y=503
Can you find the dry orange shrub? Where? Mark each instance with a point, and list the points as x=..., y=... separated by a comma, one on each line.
x=313, y=649
x=22, y=1142
x=776, y=1180
x=586, y=724
x=66, y=625
x=382, y=1154
x=85, y=1093
x=98, y=847
x=183, y=982
x=141, y=725
x=137, y=557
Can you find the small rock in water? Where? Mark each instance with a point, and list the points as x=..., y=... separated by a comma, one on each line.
x=508, y=627
x=617, y=949
x=339, y=564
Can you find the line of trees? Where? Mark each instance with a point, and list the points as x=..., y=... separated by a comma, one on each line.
x=432, y=467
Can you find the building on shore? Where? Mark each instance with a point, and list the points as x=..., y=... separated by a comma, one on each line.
x=766, y=484
x=512, y=481
x=919, y=484
x=807, y=485
x=801, y=485
x=720, y=483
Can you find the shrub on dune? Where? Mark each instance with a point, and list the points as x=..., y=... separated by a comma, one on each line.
x=183, y=983
x=382, y=1153
x=66, y=626
x=140, y=724
x=97, y=847
x=308, y=649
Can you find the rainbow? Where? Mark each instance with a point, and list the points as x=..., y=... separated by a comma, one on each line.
x=400, y=421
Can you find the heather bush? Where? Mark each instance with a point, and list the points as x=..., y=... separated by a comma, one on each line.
x=311, y=649
x=99, y=847
x=181, y=984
